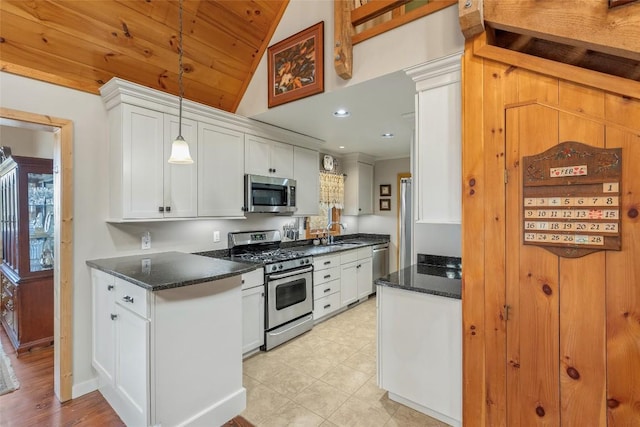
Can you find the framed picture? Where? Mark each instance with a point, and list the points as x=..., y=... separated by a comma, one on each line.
x=296, y=66
x=385, y=189
x=385, y=204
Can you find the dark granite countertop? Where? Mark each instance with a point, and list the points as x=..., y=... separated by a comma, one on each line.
x=167, y=270
x=341, y=243
x=441, y=280
x=306, y=247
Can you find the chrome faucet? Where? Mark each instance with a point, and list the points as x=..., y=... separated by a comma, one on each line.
x=327, y=229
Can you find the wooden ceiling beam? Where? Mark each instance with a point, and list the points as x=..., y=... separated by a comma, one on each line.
x=342, y=35
x=470, y=17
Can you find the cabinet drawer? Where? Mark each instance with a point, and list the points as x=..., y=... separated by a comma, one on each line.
x=323, y=276
x=252, y=279
x=325, y=289
x=349, y=256
x=366, y=252
x=326, y=305
x=322, y=263
x=132, y=297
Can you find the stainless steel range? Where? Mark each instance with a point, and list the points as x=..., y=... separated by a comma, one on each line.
x=288, y=283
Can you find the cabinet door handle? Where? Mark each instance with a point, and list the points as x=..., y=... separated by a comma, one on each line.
x=327, y=290
x=160, y=208
x=127, y=298
x=114, y=316
x=110, y=287
x=327, y=306
x=327, y=262
x=274, y=170
x=167, y=208
x=327, y=276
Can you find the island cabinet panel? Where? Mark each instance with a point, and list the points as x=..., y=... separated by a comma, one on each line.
x=172, y=356
x=548, y=339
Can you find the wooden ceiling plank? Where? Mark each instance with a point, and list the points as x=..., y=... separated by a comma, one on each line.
x=153, y=9
x=260, y=53
x=36, y=36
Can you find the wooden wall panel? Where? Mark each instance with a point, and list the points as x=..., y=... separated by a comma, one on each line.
x=582, y=296
x=623, y=290
x=473, y=195
x=534, y=87
x=500, y=88
x=535, y=399
x=581, y=99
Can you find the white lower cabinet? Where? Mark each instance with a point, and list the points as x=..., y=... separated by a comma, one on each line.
x=356, y=275
x=420, y=351
x=326, y=285
x=170, y=357
x=252, y=311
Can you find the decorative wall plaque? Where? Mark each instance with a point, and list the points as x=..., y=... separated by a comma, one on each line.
x=571, y=199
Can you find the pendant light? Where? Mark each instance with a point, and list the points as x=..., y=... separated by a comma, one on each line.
x=179, y=148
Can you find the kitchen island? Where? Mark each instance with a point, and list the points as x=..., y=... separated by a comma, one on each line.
x=420, y=337
x=167, y=337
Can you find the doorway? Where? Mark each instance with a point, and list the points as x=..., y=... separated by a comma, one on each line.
x=62, y=130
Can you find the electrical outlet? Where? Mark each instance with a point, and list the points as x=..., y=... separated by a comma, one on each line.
x=146, y=265
x=216, y=236
x=146, y=240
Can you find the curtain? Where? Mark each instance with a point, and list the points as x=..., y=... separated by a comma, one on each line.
x=331, y=196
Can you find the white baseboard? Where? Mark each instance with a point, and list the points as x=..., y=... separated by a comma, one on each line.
x=220, y=412
x=83, y=388
x=430, y=412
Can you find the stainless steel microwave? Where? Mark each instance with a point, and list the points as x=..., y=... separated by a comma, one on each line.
x=269, y=194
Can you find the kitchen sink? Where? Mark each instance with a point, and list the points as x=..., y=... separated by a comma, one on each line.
x=345, y=244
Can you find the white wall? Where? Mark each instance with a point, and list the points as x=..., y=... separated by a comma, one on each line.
x=386, y=222
x=427, y=38
x=27, y=142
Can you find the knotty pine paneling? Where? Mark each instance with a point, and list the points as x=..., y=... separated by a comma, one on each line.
x=623, y=290
x=587, y=317
x=582, y=298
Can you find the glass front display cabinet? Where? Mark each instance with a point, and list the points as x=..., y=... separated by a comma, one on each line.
x=27, y=230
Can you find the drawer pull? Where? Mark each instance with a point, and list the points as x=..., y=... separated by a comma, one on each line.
x=327, y=290
x=327, y=262
x=327, y=306
x=327, y=276
x=110, y=287
x=114, y=316
x=127, y=298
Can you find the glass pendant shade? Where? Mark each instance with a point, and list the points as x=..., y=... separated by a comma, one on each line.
x=180, y=154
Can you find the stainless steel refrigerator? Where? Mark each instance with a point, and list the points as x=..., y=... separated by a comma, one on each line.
x=406, y=224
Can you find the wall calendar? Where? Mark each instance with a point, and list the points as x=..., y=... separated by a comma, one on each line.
x=571, y=199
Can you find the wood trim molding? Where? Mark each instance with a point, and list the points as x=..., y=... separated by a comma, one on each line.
x=63, y=268
x=555, y=69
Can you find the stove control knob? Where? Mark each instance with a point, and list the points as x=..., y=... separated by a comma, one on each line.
x=280, y=267
x=302, y=262
x=274, y=268
x=308, y=261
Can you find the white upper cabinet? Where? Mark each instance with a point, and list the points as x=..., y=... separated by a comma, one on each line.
x=307, y=176
x=267, y=157
x=358, y=187
x=180, y=181
x=220, y=177
x=437, y=149
x=143, y=184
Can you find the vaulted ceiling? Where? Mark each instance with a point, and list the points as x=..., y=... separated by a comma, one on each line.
x=82, y=44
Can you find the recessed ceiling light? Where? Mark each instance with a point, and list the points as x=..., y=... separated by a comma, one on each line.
x=387, y=135
x=342, y=146
x=341, y=113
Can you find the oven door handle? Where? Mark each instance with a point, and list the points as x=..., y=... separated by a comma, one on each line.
x=289, y=273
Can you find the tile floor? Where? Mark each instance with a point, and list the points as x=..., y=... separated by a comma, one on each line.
x=326, y=377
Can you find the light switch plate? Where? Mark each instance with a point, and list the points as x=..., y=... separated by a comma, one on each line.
x=216, y=236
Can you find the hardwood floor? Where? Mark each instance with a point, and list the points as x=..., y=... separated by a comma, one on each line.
x=35, y=404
